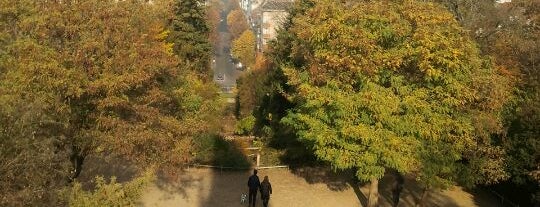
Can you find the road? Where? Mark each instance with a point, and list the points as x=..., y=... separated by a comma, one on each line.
x=222, y=66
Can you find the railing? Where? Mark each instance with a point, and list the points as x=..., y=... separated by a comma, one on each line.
x=221, y=168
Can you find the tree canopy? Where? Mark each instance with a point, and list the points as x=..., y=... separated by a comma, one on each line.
x=92, y=77
x=509, y=33
x=394, y=85
x=190, y=33
x=237, y=23
x=243, y=48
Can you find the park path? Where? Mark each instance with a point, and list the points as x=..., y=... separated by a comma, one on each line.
x=310, y=187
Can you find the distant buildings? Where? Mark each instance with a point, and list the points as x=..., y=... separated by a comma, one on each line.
x=265, y=17
x=273, y=14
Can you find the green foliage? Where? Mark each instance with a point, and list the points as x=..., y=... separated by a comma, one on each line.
x=109, y=194
x=245, y=125
x=251, y=87
x=243, y=48
x=271, y=156
x=392, y=85
x=190, y=34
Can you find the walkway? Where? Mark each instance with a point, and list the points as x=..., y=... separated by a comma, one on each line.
x=310, y=187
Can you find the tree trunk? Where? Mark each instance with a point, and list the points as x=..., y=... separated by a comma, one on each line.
x=421, y=201
x=398, y=187
x=77, y=158
x=373, y=198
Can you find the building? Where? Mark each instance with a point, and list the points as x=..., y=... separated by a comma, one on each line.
x=265, y=17
x=251, y=10
x=272, y=14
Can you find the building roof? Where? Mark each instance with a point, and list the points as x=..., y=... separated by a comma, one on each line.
x=277, y=5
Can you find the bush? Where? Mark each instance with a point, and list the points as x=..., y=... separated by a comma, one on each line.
x=109, y=194
x=245, y=125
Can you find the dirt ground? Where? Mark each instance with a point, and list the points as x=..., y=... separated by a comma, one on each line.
x=313, y=187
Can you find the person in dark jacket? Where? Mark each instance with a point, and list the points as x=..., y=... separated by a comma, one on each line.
x=254, y=184
x=266, y=190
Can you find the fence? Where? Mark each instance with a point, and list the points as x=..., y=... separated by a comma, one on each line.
x=221, y=168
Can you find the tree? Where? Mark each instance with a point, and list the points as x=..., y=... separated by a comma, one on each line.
x=213, y=17
x=26, y=145
x=243, y=48
x=249, y=84
x=515, y=46
x=237, y=23
x=190, y=34
x=92, y=77
x=509, y=33
x=394, y=85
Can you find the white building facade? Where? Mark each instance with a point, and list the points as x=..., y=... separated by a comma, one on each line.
x=273, y=14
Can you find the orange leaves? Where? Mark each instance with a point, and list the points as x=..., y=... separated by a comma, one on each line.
x=237, y=23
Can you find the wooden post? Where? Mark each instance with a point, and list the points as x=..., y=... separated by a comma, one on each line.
x=258, y=158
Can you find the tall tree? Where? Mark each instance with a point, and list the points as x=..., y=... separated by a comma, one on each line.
x=509, y=33
x=243, y=48
x=515, y=46
x=237, y=23
x=190, y=34
x=213, y=17
x=392, y=85
x=92, y=76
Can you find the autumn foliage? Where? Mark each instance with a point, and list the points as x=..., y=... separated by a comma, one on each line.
x=392, y=85
x=237, y=23
x=96, y=77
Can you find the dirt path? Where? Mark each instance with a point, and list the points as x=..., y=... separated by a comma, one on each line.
x=292, y=188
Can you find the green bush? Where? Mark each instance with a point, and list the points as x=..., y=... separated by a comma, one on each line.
x=245, y=125
x=109, y=194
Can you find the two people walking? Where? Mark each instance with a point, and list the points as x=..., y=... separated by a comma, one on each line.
x=255, y=185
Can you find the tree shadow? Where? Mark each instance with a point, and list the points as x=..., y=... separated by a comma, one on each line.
x=334, y=180
x=482, y=197
x=355, y=185
x=106, y=166
x=176, y=185
x=412, y=192
x=228, y=181
x=508, y=193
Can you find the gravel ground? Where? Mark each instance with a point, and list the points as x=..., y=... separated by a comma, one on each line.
x=313, y=187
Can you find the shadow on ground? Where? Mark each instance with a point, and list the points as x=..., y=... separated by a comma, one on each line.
x=106, y=166
x=229, y=181
x=334, y=180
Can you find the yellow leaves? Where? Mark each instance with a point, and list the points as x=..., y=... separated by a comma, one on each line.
x=168, y=47
x=243, y=48
x=163, y=34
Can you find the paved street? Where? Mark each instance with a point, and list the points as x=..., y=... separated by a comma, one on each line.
x=223, y=68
